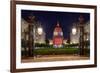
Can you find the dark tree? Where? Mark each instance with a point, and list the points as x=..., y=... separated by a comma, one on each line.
x=47, y=41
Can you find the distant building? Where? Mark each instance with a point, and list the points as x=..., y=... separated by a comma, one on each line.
x=50, y=42
x=24, y=29
x=58, y=36
x=58, y=39
x=74, y=38
x=38, y=38
x=65, y=41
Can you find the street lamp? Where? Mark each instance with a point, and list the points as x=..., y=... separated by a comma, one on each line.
x=31, y=21
x=81, y=38
x=74, y=30
x=40, y=30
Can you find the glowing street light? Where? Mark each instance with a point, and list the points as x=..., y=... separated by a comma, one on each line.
x=40, y=30
x=87, y=39
x=74, y=31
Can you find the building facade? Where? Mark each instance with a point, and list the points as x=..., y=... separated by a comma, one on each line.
x=74, y=38
x=38, y=38
x=57, y=36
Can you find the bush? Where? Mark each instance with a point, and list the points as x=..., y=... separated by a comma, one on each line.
x=55, y=51
x=41, y=45
x=72, y=45
x=87, y=52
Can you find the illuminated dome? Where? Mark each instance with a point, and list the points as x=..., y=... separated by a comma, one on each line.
x=58, y=30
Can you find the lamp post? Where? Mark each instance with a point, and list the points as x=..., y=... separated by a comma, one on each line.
x=74, y=30
x=81, y=36
x=31, y=36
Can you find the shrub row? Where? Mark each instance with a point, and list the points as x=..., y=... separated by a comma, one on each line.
x=55, y=51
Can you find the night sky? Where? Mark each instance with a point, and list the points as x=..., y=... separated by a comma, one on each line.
x=49, y=20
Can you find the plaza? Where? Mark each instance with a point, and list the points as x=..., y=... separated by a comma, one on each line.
x=51, y=58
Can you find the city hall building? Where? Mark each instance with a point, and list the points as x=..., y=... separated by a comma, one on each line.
x=58, y=36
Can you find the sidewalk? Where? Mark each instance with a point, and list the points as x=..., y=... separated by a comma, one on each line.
x=48, y=58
